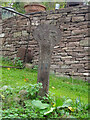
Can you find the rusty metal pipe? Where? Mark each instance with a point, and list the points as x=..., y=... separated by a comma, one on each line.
x=21, y=13
x=15, y=12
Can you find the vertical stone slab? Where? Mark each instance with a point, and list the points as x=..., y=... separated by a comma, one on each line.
x=47, y=36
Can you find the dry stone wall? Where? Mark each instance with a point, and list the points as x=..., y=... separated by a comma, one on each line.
x=70, y=57
x=0, y=33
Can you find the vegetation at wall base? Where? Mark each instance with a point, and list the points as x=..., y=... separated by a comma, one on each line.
x=16, y=62
x=67, y=98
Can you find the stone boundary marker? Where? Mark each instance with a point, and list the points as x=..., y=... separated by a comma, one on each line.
x=47, y=36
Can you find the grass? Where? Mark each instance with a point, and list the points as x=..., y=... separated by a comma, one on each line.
x=60, y=86
x=65, y=87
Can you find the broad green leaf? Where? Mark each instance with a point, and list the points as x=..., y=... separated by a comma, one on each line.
x=39, y=104
x=67, y=103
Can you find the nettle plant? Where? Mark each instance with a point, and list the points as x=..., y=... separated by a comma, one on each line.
x=17, y=62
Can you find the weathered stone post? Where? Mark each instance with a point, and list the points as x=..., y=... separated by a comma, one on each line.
x=47, y=36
